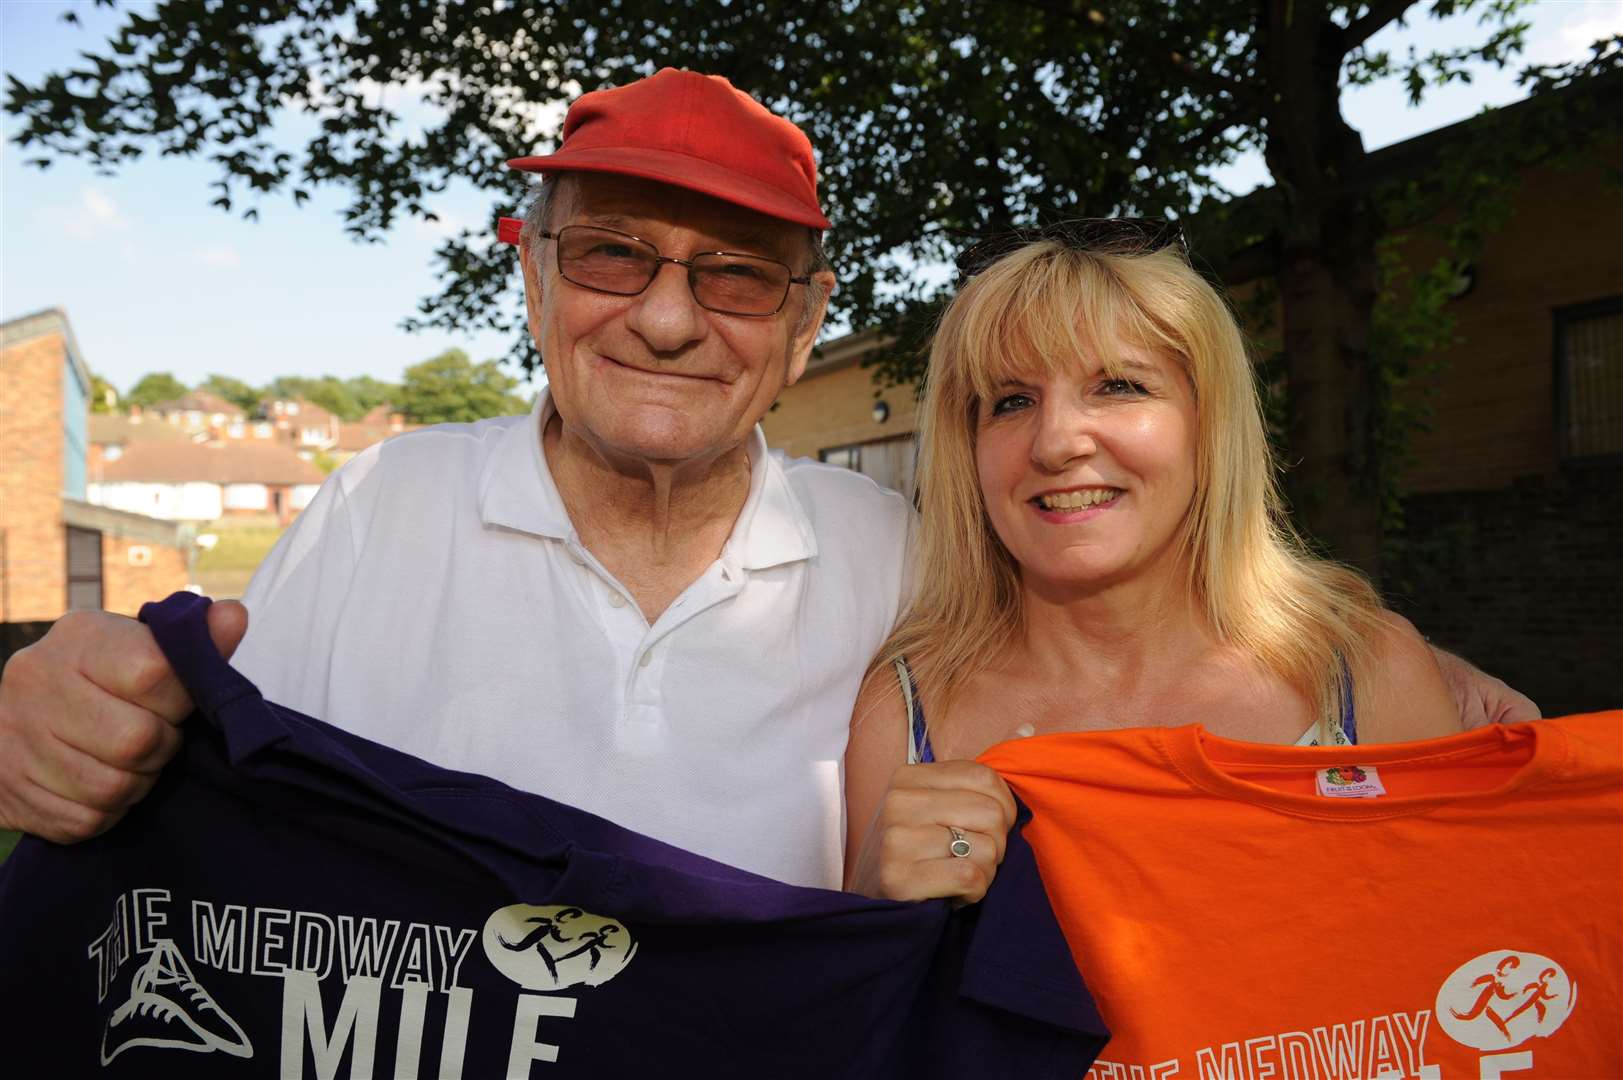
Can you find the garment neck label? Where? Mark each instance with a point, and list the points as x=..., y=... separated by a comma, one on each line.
x=1351, y=782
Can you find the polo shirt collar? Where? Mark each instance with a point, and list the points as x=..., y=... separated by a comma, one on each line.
x=772, y=528
x=515, y=486
x=516, y=491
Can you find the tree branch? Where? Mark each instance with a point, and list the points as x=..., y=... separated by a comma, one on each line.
x=1154, y=49
x=1370, y=23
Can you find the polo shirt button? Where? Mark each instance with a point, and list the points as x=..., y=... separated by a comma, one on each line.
x=647, y=658
x=616, y=600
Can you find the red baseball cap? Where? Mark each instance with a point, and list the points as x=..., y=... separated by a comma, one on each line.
x=694, y=131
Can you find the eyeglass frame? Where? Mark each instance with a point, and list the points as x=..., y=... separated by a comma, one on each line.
x=558, y=260
x=1104, y=235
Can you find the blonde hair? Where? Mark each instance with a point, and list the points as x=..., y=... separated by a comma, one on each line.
x=1039, y=310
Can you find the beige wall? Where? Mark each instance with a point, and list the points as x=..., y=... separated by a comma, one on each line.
x=828, y=408
x=1493, y=405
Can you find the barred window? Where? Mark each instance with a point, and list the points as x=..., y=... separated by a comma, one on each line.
x=84, y=569
x=1589, y=380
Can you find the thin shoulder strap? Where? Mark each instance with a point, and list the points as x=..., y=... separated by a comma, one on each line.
x=919, y=750
x=1349, y=716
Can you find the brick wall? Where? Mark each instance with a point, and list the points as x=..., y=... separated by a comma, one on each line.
x=125, y=586
x=33, y=551
x=1526, y=582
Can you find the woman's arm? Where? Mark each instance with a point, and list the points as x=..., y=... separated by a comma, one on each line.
x=877, y=747
x=900, y=817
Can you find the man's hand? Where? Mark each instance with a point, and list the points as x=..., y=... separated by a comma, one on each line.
x=1481, y=698
x=88, y=718
x=908, y=855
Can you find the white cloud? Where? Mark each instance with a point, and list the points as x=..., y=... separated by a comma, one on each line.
x=220, y=255
x=1563, y=32
x=533, y=123
x=448, y=225
x=91, y=218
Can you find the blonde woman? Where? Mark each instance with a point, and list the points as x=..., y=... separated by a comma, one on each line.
x=1102, y=547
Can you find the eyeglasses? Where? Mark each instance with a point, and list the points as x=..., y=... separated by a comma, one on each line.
x=609, y=261
x=1106, y=236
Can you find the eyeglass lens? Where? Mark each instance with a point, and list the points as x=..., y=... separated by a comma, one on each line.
x=615, y=262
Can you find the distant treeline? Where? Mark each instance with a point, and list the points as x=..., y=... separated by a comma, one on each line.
x=445, y=388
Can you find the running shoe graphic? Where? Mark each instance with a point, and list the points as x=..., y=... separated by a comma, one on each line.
x=167, y=1007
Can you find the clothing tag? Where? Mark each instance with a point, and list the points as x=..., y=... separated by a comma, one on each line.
x=1351, y=782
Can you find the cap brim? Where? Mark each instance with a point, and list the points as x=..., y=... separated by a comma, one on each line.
x=683, y=171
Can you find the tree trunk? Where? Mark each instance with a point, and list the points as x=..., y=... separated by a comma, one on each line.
x=1327, y=287
x=1328, y=283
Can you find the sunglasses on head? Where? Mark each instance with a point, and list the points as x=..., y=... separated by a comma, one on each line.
x=1104, y=236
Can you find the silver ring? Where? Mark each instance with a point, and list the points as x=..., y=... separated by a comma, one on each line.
x=959, y=848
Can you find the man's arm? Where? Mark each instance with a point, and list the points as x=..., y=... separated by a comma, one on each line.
x=88, y=714
x=1481, y=698
x=88, y=719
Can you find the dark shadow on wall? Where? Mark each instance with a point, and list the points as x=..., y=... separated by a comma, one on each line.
x=1525, y=582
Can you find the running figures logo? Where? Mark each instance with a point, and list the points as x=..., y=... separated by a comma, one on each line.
x=553, y=948
x=168, y=1007
x=1501, y=999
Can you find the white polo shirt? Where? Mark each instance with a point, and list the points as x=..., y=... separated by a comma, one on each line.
x=435, y=597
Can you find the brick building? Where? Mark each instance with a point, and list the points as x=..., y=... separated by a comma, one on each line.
x=58, y=552
x=382, y=422
x=201, y=412
x=1513, y=552
x=206, y=481
x=302, y=423
x=836, y=413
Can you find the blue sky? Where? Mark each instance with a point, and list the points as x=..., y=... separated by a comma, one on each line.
x=155, y=279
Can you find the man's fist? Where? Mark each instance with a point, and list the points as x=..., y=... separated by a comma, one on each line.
x=88, y=718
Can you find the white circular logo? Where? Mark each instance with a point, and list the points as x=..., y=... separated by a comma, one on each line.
x=1503, y=998
x=550, y=948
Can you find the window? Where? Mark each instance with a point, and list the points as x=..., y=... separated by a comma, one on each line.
x=1589, y=381
x=888, y=461
x=84, y=569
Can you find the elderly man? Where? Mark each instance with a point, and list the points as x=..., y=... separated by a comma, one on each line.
x=622, y=600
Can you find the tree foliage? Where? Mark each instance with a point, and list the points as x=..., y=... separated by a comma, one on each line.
x=450, y=388
x=234, y=390
x=369, y=393
x=155, y=387
x=933, y=122
x=348, y=399
x=103, y=395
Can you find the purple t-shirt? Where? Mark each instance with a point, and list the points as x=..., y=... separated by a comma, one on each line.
x=296, y=901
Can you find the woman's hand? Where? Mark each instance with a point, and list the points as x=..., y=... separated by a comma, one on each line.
x=912, y=850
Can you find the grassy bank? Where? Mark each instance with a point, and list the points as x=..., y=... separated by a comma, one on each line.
x=223, y=571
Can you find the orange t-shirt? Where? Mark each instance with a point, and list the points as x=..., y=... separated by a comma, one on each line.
x=1461, y=915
